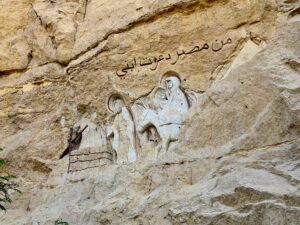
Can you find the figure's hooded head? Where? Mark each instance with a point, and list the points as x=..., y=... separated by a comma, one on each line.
x=172, y=82
x=160, y=98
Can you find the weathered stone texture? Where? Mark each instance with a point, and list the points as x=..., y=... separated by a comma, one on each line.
x=237, y=157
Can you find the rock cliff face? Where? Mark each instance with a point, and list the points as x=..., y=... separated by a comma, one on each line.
x=170, y=112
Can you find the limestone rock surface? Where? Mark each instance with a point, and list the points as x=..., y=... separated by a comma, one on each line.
x=200, y=99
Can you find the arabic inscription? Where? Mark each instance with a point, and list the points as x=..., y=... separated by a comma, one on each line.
x=215, y=46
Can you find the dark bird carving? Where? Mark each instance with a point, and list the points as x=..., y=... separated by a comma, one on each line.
x=74, y=140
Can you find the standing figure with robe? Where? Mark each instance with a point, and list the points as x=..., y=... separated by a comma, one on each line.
x=122, y=131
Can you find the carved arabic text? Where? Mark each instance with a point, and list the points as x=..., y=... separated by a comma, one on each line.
x=216, y=46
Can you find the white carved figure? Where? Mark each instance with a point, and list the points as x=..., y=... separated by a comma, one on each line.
x=175, y=104
x=122, y=131
x=169, y=104
x=176, y=98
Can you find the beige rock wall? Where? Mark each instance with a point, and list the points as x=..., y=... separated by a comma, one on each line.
x=237, y=157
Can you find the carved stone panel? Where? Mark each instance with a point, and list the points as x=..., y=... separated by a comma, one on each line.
x=146, y=129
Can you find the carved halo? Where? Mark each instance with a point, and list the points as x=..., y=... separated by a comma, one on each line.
x=111, y=100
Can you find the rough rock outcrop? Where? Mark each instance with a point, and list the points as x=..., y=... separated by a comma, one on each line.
x=192, y=108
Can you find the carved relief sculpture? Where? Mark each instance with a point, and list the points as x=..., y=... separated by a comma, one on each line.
x=163, y=112
x=122, y=131
x=158, y=117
